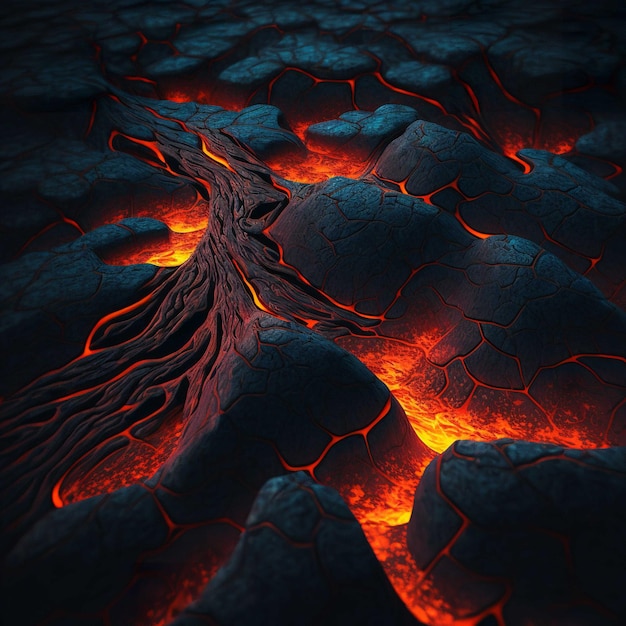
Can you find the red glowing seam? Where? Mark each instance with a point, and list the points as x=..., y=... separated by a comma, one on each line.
x=467, y=227
x=73, y=223
x=334, y=439
x=496, y=609
x=280, y=187
x=254, y=294
x=575, y=358
x=164, y=42
x=151, y=145
x=62, y=220
x=316, y=81
x=378, y=76
x=203, y=140
x=271, y=526
x=591, y=82
x=57, y=500
x=160, y=158
x=527, y=165
x=472, y=125
x=121, y=374
x=469, y=123
x=428, y=200
x=511, y=394
x=92, y=117
x=470, y=92
x=339, y=305
x=141, y=79
x=479, y=132
x=43, y=231
x=618, y=170
x=214, y=157
x=509, y=96
x=252, y=291
x=152, y=464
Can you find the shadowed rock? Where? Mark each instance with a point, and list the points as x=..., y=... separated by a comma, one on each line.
x=302, y=559
x=536, y=530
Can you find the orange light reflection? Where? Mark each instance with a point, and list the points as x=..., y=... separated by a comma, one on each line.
x=131, y=460
x=185, y=215
x=315, y=167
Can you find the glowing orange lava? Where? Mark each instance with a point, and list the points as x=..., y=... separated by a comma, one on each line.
x=405, y=369
x=403, y=365
x=512, y=142
x=315, y=167
x=186, y=217
x=170, y=252
x=122, y=460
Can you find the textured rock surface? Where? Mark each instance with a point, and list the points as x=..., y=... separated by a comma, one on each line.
x=302, y=559
x=290, y=401
x=460, y=276
x=360, y=133
x=537, y=527
x=51, y=300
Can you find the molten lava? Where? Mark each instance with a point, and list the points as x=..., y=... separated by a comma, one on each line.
x=406, y=371
x=120, y=461
x=184, y=212
x=315, y=167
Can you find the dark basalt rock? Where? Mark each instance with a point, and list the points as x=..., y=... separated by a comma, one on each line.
x=51, y=300
x=537, y=525
x=290, y=400
x=428, y=80
x=558, y=205
x=385, y=253
x=607, y=140
x=449, y=44
x=261, y=127
x=303, y=559
x=360, y=133
x=489, y=284
x=532, y=67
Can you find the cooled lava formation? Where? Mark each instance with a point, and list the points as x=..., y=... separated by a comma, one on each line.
x=313, y=315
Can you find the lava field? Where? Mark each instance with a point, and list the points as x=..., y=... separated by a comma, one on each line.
x=313, y=313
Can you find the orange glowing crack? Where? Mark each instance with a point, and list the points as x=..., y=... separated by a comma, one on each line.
x=312, y=169
x=134, y=460
x=122, y=374
x=387, y=537
x=213, y=156
x=253, y=292
x=325, y=296
x=203, y=140
x=428, y=199
x=107, y=318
